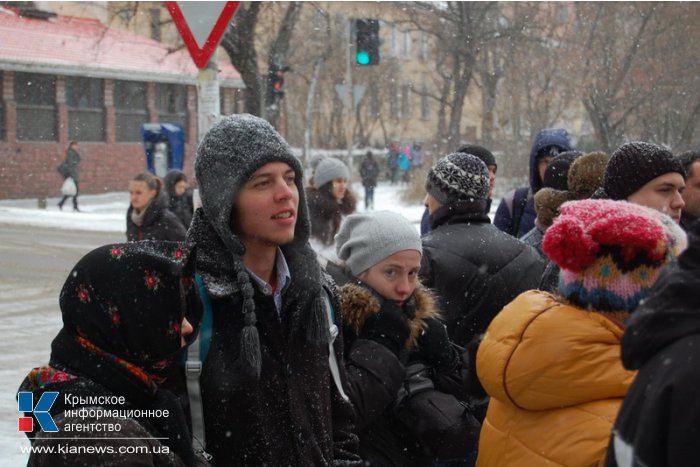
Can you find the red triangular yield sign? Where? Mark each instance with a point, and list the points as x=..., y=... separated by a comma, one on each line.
x=201, y=25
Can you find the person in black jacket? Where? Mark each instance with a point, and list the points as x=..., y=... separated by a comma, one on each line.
x=474, y=268
x=70, y=167
x=180, y=194
x=148, y=216
x=405, y=379
x=658, y=422
x=126, y=311
x=369, y=171
x=268, y=395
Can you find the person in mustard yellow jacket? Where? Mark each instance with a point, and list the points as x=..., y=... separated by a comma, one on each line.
x=551, y=363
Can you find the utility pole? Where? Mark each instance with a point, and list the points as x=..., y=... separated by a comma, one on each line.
x=349, y=97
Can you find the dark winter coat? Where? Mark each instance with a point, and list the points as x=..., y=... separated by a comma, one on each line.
x=159, y=223
x=292, y=414
x=389, y=433
x=326, y=213
x=70, y=167
x=182, y=206
x=504, y=218
x=658, y=421
x=474, y=268
x=122, y=306
x=369, y=171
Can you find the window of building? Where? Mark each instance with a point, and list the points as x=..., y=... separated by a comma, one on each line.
x=2, y=109
x=375, y=106
x=406, y=102
x=394, y=41
x=171, y=103
x=129, y=110
x=394, y=102
x=423, y=45
x=85, y=101
x=155, y=24
x=35, y=95
x=424, y=102
x=407, y=42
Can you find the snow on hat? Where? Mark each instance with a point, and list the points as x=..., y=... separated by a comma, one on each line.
x=479, y=151
x=231, y=151
x=635, y=164
x=456, y=177
x=365, y=239
x=329, y=169
x=610, y=252
x=586, y=174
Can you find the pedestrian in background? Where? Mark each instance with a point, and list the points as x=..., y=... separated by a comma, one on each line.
x=70, y=167
x=126, y=311
x=148, y=216
x=180, y=194
x=329, y=199
x=551, y=362
x=369, y=171
x=516, y=213
x=691, y=194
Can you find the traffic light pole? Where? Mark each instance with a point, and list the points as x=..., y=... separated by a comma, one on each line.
x=349, y=97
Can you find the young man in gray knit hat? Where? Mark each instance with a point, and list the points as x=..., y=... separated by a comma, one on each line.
x=646, y=174
x=474, y=268
x=268, y=394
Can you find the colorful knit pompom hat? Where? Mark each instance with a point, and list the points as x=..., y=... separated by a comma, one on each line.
x=610, y=252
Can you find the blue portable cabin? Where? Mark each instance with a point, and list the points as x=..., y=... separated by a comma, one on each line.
x=158, y=162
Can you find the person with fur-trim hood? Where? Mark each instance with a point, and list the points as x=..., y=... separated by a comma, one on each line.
x=646, y=174
x=148, y=216
x=177, y=188
x=403, y=373
x=268, y=394
x=126, y=311
x=329, y=199
x=658, y=421
x=551, y=362
x=516, y=213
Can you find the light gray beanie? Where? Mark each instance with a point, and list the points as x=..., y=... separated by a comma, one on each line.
x=329, y=169
x=367, y=238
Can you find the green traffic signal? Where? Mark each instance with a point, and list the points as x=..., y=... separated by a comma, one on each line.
x=362, y=57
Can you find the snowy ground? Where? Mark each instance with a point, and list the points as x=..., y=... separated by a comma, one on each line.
x=100, y=213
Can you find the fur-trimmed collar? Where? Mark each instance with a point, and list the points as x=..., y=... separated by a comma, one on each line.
x=358, y=304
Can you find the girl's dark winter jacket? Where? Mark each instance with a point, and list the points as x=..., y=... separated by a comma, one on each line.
x=658, y=422
x=159, y=223
x=326, y=213
x=375, y=376
x=474, y=268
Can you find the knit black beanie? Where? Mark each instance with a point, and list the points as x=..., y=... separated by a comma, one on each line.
x=479, y=151
x=635, y=164
x=458, y=177
x=557, y=172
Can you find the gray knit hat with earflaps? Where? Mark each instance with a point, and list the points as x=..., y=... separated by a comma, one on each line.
x=232, y=150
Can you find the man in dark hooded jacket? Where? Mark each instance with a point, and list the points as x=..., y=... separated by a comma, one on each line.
x=658, y=422
x=516, y=213
x=268, y=394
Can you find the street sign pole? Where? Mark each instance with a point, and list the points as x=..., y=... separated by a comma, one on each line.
x=208, y=102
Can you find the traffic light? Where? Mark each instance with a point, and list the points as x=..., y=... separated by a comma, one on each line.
x=275, y=83
x=367, y=46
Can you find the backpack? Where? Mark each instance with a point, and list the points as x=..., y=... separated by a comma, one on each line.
x=516, y=208
x=197, y=353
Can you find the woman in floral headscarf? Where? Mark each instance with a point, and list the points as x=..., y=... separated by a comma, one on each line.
x=123, y=308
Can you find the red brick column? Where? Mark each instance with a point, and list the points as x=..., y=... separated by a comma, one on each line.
x=8, y=96
x=62, y=110
x=110, y=117
x=151, y=102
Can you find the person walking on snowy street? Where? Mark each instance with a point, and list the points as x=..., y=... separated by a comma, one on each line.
x=70, y=167
x=369, y=171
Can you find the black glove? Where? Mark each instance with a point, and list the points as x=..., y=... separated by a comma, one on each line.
x=389, y=327
x=435, y=348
